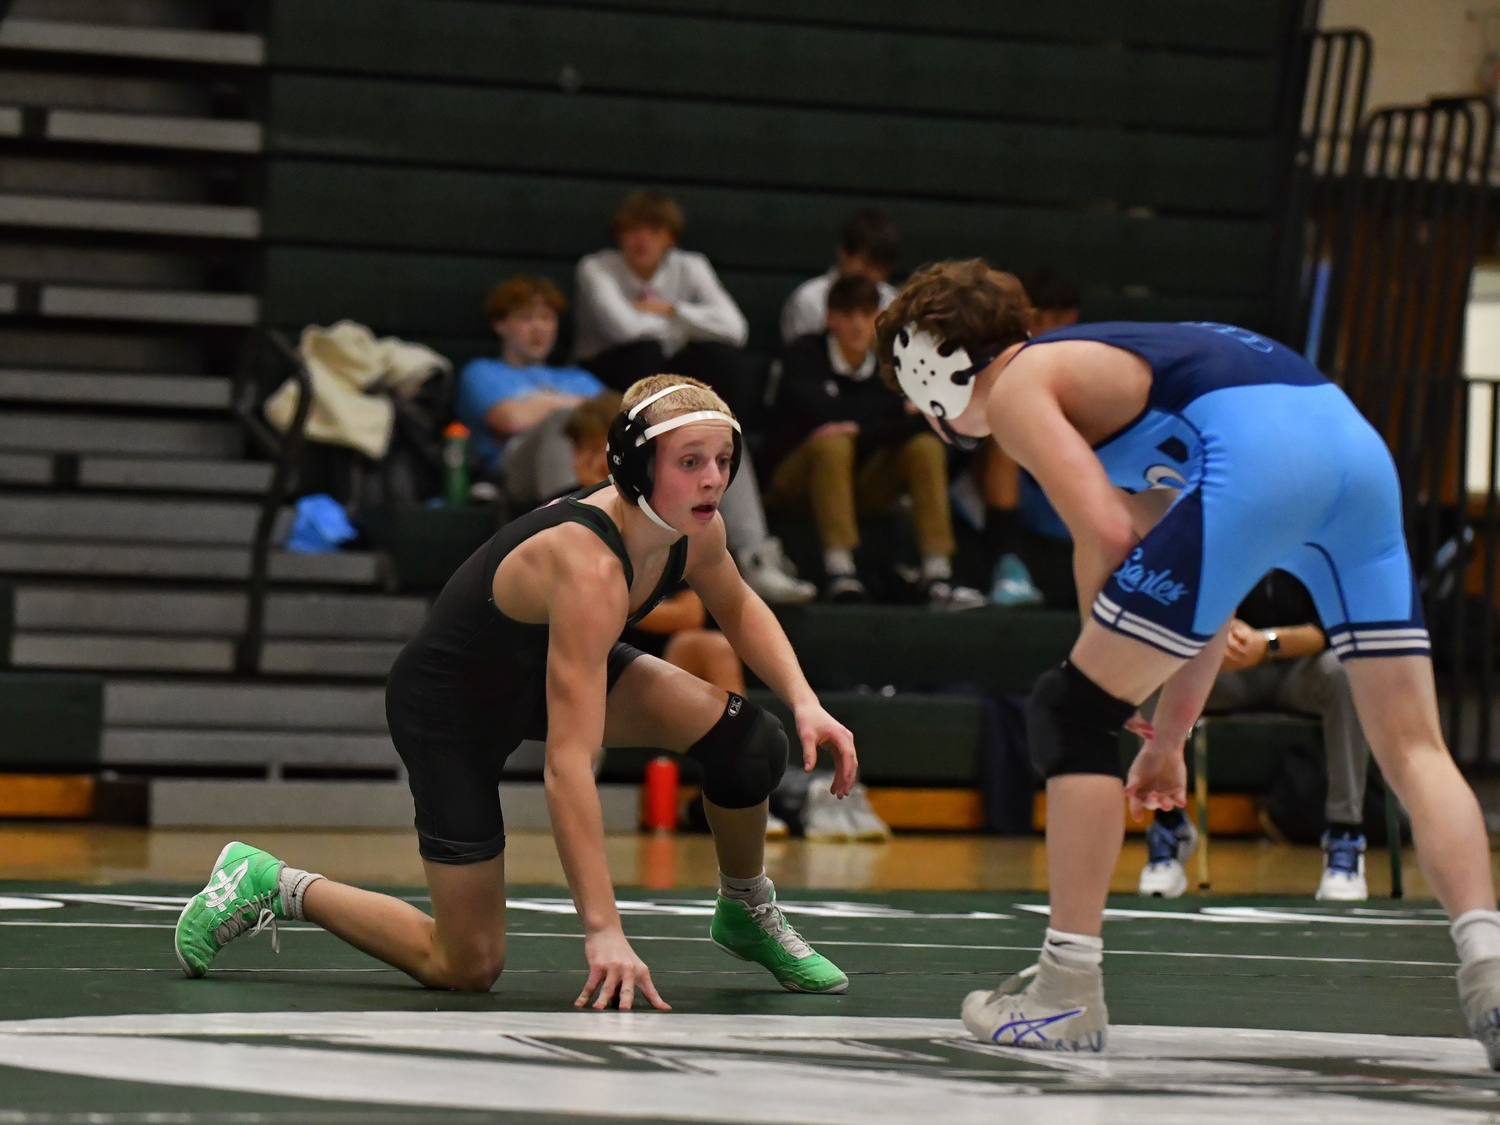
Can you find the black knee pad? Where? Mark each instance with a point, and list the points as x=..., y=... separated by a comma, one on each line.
x=742, y=756
x=1073, y=725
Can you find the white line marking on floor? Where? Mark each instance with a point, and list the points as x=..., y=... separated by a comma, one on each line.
x=853, y=945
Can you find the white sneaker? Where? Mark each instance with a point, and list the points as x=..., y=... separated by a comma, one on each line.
x=770, y=574
x=945, y=597
x=1343, y=870
x=1479, y=995
x=1164, y=875
x=776, y=828
x=824, y=816
x=1047, y=1008
x=864, y=821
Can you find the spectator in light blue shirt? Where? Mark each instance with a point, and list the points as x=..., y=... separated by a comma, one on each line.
x=516, y=406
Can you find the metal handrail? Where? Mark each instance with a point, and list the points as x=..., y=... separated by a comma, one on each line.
x=284, y=450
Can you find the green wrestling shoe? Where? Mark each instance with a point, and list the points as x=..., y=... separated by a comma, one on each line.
x=242, y=894
x=763, y=935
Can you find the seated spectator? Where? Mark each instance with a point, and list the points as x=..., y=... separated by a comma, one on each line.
x=867, y=248
x=649, y=303
x=649, y=308
x=844, y=444
x=1278, y=660
x=515, y=406
x=675, y=629
x=1054, y=300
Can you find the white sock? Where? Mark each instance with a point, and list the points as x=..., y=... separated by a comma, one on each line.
x=1073, y=951
x=1476, y=933
x=755, y=891
x=937, y=568
x=838, y=562
x=293, y=883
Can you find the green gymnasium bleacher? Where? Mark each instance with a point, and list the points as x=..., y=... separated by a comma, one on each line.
x=418, y=152
x=402, y=156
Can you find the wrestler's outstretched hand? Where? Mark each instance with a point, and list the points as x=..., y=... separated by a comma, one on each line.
x=816, y=727
x=615, y=972
x=1158, y=779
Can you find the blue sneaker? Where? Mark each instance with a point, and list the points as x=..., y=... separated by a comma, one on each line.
x=1343, y=869
x=1166, y=851
x=1012, y=584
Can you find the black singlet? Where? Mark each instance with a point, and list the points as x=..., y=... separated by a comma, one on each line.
x=472, y=684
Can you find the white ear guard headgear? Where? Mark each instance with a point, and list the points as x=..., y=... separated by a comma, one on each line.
x=939, y=377
x=632, y=449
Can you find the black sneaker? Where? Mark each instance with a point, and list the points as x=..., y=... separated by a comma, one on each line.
x=845, y=588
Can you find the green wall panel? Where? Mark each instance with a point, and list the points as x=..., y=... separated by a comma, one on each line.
x=49, y=721
x=690, y=56
x=425, y=296
x=739, y=228
x=656, y=140
x=902, y=740
x=1248, y=26
x=913, y=649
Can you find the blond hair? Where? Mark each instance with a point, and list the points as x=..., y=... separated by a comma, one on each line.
x=694, y=395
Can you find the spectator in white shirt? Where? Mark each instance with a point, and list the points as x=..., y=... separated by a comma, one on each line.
x=867, y=248
x=649, y=308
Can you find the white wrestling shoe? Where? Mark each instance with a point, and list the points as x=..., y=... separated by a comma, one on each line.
x=770, y=574
x=1479, y=994
x=1047, y=1007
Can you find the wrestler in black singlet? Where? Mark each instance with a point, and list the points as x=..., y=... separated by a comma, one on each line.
x=472, y=684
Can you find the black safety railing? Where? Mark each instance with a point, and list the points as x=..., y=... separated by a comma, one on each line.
x=1460, y=584
x=1333, y=106
x=267, y=360
x=1412, y=214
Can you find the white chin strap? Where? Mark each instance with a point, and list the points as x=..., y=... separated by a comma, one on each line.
x=660, y=428
x=927, y=376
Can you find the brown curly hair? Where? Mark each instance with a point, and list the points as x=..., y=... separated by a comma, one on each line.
x=961, y=302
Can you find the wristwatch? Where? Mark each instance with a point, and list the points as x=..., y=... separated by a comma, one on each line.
x=1273, y=642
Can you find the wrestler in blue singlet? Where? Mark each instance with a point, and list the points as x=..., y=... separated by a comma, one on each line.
x=1275, y=469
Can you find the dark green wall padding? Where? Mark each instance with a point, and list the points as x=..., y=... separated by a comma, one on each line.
x=913, y=740
x=49, y=722
x=913, y=649
x=418, y=151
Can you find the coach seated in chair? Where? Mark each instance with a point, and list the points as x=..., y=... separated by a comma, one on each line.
x=842, y=443
x=1278, y=659
x=515, y=406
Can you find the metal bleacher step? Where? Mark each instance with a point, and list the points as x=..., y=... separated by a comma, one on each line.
x=113, y=652
x=143, y=130
x=83, y=388
x=167, y=704
x=127, y=519
x=195, y=631
x=193, y=220
x=222, y=803
x=157, y=562
x=214, y=612
x=222, y=48
x=109, y=434
x=159, y=306
x=328, y=658
x=175, y=475
x=188, y=746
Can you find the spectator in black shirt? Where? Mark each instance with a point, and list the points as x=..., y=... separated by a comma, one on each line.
x=842, y=443
x=1278, y=660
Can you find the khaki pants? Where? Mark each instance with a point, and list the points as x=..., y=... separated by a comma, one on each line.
x=820, y=475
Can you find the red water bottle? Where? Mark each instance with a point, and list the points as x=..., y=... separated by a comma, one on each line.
x=659, y=795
